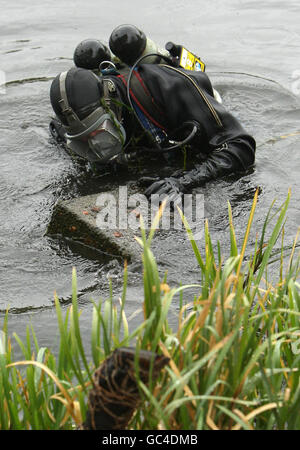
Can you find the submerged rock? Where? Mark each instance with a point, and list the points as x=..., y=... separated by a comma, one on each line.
x=99, y=221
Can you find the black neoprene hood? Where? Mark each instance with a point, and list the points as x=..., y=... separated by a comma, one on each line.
x=84, y=91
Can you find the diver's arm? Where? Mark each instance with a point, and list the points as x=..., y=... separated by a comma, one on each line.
x=232, y=157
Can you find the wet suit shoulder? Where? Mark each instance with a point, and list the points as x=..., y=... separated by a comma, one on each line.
x=185, y=96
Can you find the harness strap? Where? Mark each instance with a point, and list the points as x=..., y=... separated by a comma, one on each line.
x=63, y=102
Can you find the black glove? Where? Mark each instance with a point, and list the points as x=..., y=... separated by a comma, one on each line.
x=168, y=189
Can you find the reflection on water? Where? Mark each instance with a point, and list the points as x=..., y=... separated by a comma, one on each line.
x=240, y=50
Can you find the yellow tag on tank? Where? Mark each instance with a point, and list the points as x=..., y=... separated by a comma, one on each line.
x=190, y=62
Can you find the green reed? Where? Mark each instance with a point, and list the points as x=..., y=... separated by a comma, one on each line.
x=234, y=355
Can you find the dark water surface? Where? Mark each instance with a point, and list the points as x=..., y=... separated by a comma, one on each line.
x=251, y=49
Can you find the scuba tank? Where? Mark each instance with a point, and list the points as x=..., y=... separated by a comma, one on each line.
x=129, y=43
x=90, y=53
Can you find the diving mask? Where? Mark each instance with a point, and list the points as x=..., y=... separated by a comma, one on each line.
x=101, y=145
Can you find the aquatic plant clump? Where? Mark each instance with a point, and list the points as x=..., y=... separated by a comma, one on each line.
x=231, y=363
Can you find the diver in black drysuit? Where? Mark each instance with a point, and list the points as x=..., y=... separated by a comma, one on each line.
x=176, y=105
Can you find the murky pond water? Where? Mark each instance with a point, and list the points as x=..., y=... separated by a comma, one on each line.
x=251, y=49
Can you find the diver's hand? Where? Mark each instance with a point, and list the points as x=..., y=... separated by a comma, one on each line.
x=168, y=189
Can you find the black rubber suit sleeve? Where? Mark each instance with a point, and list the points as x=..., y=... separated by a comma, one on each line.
x=233, y=157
